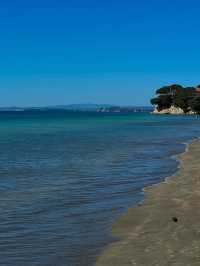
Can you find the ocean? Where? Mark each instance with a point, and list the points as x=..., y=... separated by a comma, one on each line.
x=66, y=177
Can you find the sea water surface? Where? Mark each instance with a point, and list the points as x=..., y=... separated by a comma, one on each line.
x=66, y=177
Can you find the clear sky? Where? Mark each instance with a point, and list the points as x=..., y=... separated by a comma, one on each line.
x=80, y=51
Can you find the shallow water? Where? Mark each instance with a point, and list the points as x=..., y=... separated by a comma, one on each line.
x=65, y=177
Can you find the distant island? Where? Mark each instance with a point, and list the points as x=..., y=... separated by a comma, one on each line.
x=98, y=108
x=175, y=99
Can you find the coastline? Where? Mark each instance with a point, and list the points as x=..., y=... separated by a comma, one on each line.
x=148, y=234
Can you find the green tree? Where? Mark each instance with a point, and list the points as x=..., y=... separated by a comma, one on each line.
x=194, y=104
x=181, y=100
x=162, y=102
x=174, y=88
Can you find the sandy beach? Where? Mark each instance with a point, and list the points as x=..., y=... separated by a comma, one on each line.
x=165, y=228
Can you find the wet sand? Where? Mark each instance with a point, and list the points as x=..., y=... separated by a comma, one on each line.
x=165, y=228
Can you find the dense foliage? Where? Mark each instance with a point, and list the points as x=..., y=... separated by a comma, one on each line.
x=195, y=104
x=188, y=99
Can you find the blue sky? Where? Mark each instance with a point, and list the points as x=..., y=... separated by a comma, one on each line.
x=118, y=52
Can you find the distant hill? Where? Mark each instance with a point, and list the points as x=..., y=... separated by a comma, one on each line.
x=103, y=108
x=81, y=107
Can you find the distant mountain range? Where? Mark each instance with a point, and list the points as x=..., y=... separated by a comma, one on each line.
x=82, y=107
x=87, y=106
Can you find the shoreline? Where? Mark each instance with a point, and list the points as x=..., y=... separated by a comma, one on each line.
x=163, y=229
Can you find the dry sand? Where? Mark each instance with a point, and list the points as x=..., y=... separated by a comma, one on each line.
x=148, y=233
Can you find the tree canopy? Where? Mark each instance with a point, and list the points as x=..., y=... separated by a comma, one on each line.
x=174, y=88
x=195, y=104
x=162, y=101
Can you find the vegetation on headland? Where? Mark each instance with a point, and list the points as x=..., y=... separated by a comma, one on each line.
x=185, y=98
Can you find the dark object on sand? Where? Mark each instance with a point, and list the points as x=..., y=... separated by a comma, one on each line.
x=174, y=219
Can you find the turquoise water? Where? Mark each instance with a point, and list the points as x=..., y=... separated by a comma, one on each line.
x=65, y=177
